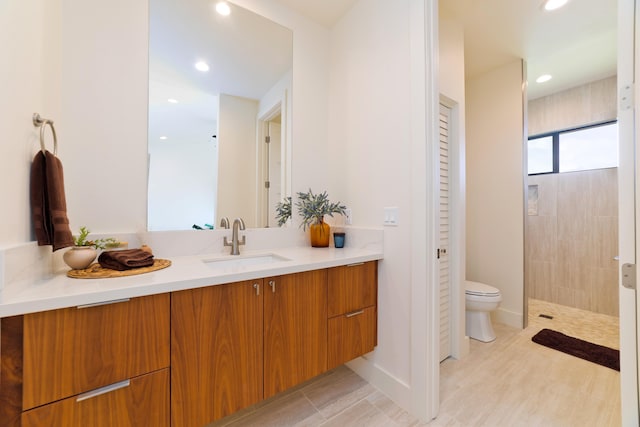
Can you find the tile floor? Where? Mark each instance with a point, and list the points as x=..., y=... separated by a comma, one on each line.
x=509, y=382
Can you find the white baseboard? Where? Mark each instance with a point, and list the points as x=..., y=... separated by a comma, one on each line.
x=392, y=387
x=507, y=317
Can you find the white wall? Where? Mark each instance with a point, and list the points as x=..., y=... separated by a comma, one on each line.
x=378, y=156
x=23, y=24
x=237, y=159
x=369, y=126
x=182, y=183
x=495, y=186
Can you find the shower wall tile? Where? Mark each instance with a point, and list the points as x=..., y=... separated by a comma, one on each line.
x=572, y=215
x=544, y=246
x=565, y=296
x=591, y=103
x=582, y=299
x=574, y=275
x=603, y=201
x=604, y=291
x=573, y=239
x=604, y=241
x=572, y=182
x=542, y=278
x=547, y=194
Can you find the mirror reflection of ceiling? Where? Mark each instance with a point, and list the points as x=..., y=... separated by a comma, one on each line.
x=240, y=63
x=325, y=12
x=576, y=44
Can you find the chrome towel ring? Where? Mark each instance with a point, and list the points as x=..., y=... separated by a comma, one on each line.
x=39, y=121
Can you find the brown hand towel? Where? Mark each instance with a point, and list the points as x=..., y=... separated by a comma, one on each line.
x=48, y=202
x=125, y=259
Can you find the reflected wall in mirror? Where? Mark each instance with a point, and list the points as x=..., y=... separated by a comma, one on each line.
x=219, y=115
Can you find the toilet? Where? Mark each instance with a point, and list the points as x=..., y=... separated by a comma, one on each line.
x=480, y=299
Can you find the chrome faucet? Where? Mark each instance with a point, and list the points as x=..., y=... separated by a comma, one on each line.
x=238, y=223
x=224, y=222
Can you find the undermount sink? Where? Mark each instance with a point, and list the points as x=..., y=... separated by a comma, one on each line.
x=243, y=261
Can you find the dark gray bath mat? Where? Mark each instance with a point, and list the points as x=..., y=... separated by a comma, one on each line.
x=595, y=353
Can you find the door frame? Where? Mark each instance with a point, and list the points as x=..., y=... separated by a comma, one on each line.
x=628, y=197
x=262, y=160
x=457, y=242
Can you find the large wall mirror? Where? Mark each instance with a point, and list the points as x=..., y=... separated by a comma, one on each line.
x=219, y=115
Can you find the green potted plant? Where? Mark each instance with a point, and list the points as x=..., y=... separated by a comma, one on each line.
x=283, y=211
x=313, y=208
x=84, y=251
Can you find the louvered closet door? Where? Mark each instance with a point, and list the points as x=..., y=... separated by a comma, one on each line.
x=443, y=250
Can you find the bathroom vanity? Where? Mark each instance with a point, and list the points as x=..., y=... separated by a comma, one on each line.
x=183, y=346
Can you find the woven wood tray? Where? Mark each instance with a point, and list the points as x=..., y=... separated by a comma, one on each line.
x=95, y=271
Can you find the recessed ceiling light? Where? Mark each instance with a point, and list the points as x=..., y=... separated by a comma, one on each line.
x=163, y=137
x=223, y=8
x=202, y=66
x=543, y=78
x=173, y=101
x=554, y=4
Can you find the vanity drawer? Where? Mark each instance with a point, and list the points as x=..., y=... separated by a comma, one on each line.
x=73, y=350
x=141, y=401
x=352, y=287
x=351, y=335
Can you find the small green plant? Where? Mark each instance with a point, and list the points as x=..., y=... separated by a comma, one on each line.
x=313, y=207
x=83, y=240
x=283, y=211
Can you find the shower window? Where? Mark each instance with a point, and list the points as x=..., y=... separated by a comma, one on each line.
x=540, y=155
x=589, y=147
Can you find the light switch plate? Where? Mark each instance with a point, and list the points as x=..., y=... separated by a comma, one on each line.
x=390, y=216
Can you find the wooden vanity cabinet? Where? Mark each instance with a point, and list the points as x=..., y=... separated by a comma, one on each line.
x=352, y=296
x=236, y=344
x=141, y=401
x=295, y=329
x=187, y=358
x=216, y=351
x=50, y=358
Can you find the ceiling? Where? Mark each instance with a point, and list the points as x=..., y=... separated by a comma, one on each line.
x=325, y=12
x=575, y=44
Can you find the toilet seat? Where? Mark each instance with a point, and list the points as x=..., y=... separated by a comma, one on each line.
x=480, y=290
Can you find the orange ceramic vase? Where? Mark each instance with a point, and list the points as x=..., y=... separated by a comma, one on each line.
x=320, y=233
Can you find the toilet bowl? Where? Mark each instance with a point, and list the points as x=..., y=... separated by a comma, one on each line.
x=480, y=300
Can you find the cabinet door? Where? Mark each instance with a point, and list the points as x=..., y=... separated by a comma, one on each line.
x=216, y=351
x=295, y=329
x=73, y=350
x=142, y=401
x=351, y=335
x=352, y=287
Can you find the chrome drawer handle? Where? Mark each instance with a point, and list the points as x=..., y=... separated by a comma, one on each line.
x=355, y=313
x=97, y=304
x=355, y=264
x=103, y=390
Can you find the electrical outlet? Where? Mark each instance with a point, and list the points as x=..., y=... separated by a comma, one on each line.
x=347, y=216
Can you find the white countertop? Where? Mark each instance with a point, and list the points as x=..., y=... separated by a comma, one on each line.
x=186, y=272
